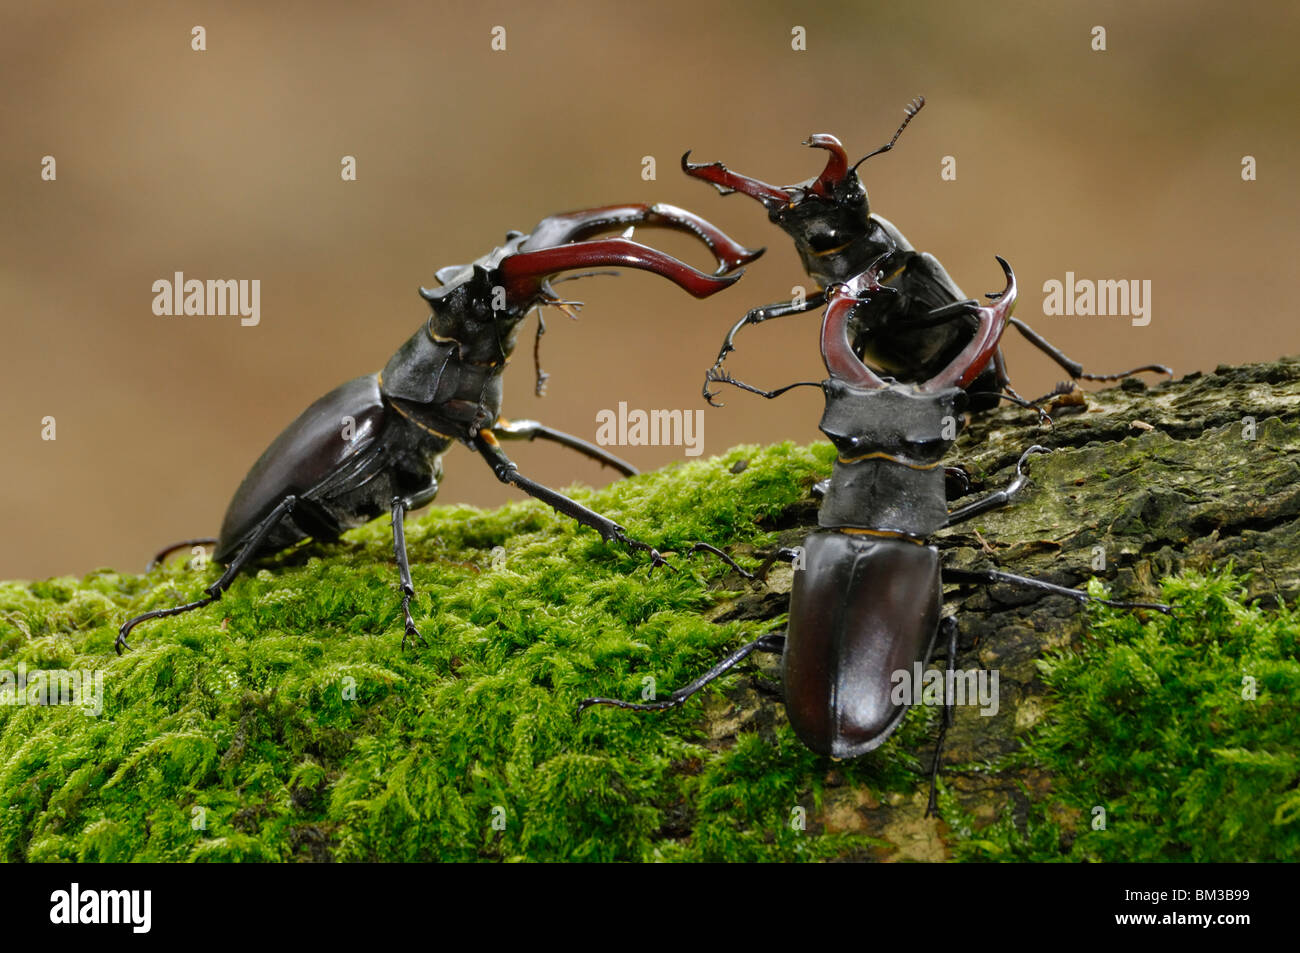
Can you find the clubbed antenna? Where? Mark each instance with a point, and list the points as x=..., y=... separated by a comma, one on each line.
x=911, y=109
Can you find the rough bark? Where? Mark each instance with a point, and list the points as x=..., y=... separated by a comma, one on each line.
x=1189, y=474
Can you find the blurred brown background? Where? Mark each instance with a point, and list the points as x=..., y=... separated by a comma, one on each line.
x=225, y=163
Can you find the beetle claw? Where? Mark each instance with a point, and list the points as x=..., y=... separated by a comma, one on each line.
x=635, y=545
x=411, y=633
x=415, y=637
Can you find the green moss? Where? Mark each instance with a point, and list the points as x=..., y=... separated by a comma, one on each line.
x=286, y=723
x=1180, y=729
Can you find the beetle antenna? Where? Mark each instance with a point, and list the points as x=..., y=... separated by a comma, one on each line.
x=571, y=308
x=542, y=377
x=911, y=109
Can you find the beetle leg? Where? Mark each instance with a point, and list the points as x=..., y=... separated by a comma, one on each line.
x=506, y=471
x=956, y=482
x=949, y=312
x=531, y=429
x=992, y=576
x=215, y=590
x=400, y=506
x=764, y=643
x=999, y=499
x=757, y=316
x=982, y=348
x=706, y=548
x=948, y=627
x=715, y=376
x=1074, y=368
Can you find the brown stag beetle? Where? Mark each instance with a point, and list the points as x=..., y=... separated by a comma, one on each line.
x=375, y=444
x=910, y=334
x=867, y=603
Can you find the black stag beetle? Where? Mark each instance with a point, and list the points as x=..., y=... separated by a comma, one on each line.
x=375, y=444
x=867, y=603
x=908, y=335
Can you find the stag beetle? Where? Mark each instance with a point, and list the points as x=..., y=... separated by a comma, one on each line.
x=910, y=334
x=867, y=603
x=375, y=444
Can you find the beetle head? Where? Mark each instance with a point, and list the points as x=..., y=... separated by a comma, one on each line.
x=822, y=215
x=464, y=312
x=828, y=217
x=480, y=305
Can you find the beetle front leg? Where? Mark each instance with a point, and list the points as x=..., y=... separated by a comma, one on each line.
x=945, y=314
x=722, y=377
x=531, y=430
x=506, y=471
x=756, y=316
x=999, y=499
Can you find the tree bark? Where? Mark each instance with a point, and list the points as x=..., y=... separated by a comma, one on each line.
x=1143, y=482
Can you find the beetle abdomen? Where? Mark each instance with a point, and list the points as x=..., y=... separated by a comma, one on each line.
x=325, y=436
x=864, y=608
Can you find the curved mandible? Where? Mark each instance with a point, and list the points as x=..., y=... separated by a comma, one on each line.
x=977, y=354
x=837, y=353
x=837, y=163
x=523, y=274
x=726, y=182
x=569, y=227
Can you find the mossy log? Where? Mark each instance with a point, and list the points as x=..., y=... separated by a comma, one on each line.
x=286, y=723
